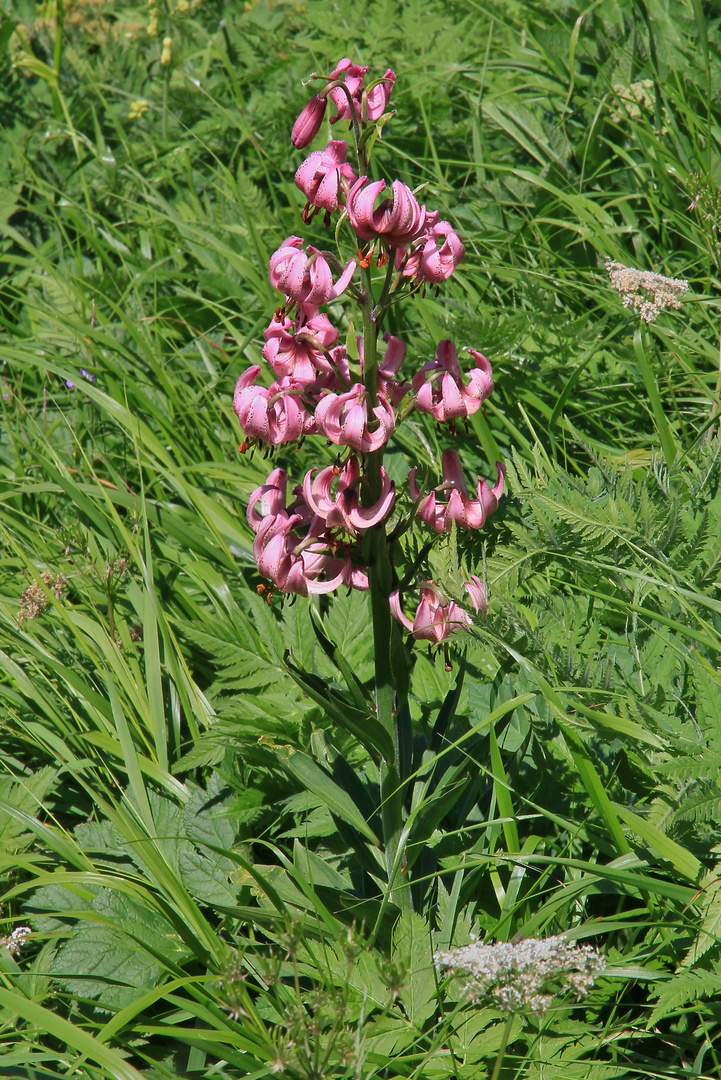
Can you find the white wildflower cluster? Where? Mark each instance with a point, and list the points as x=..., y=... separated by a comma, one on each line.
x=636, y=100
x=633, y=100
x=646, y=293
x=523, y=977
x=15, y=941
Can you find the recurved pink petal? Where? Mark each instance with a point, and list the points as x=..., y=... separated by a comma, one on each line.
x=269, y=499
x=452, y=471
x=366, y=517
x=397, y=611
x=477, y=593
x=357, y=578
x=453, y=403
x=316, y=587
x=343, y=281
x=380, y=95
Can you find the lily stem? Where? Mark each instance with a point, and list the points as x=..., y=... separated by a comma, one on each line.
x=380, y=577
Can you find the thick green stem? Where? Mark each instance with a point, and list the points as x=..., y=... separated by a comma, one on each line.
x=502, y=1048
x=380, y=577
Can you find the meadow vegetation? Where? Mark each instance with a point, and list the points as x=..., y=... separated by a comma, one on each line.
x=188, y=803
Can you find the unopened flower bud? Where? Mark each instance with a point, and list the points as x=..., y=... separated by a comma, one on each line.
x=167, y=54
x=308, y=123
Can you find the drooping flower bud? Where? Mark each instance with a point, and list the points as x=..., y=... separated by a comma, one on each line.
x=467, y=513
x=308, y=123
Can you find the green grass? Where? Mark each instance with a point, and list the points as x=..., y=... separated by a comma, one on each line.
x=190, y=831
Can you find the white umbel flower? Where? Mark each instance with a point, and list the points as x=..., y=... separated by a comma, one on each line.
x=644, y=292
x=523, y=976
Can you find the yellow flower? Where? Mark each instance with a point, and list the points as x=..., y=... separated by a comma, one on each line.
x=167, y=54
x=138, y=109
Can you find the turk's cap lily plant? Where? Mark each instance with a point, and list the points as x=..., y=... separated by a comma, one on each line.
x=346, y=524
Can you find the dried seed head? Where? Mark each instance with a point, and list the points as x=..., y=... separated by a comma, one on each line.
x=34, y=601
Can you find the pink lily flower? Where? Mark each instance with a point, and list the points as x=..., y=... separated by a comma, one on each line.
x=297, y=347
x=466, y=512
x=398, y=219
x=308, y=123
x=394, y=389
x=441, y=391
x=300, y=565
x=307, y=279
x=269, y=497
x=434, y=255
x=436, y=618
x=388, y=367
x=353, y=75
x=342, y=510
x=268, y=500
x=273, y=414
x=323, y=177
x=378, y=97
x=343, y=418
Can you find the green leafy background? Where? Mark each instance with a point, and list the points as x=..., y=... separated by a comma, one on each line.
x=188, y=817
